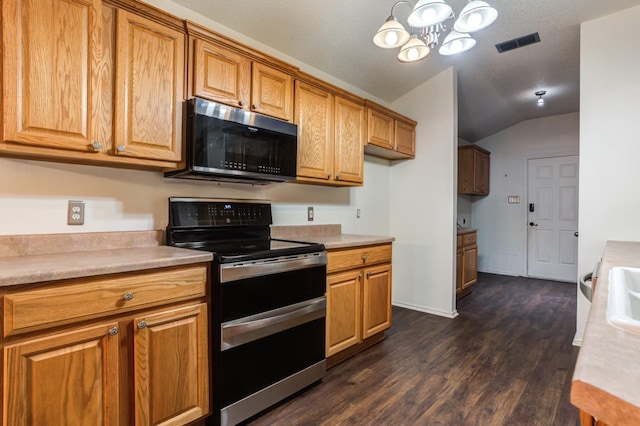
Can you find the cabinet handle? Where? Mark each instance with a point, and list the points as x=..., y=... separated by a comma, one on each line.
x=368, y=274
x=364, y=259
x=96, y=146
x=142, y=324
x=241, y=103
x=337, y=177
x=121, y=148
x=113, y=331
x=128, y=296
x=255, y=106
x=360, y=276
x=329, y=176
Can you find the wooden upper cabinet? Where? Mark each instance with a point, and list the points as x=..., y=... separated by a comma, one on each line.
x=389, y=134
x=88, y=82
x=314, y=117
x=380, y=129
x=220, y=74
x=225, y=71
x=350, y=128
x=149, y=88
x=473, y=170
x=55, y=80
x=331, y=131
x=271, y=92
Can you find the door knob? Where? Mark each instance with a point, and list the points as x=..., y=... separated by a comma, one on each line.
x=533, y=224
x=575, y=234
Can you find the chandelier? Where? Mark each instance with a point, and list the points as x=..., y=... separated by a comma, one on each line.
x=426, y=22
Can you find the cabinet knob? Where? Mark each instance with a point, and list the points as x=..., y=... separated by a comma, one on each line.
x=121, y=148
x=396, y=148
x=364, y=259
x=241, y=103
x=337, y=177
x=360, y=276
x=329, y=176
x=96, y=146
x=128, y=296
x=113, y=331
x=368, y=274
x=142, y=324
x=255, y=106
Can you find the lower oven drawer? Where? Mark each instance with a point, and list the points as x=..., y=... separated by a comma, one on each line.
x=254, y=366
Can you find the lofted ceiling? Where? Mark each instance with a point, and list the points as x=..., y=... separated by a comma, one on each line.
x=495, y=90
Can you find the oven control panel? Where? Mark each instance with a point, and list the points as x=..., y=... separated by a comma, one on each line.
x=203, y=212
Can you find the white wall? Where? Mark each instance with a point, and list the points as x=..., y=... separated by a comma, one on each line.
x=423, y=202
x=609, y=139
x=501, y=226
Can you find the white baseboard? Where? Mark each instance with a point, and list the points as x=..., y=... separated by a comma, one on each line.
x=576, y=341
x=490, y=271
x=426, y=310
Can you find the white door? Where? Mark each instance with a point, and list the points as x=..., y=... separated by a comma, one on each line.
x=552, y=218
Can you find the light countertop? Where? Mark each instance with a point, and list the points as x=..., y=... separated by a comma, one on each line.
x=40, y=258
x=329, y=235
x=606, y=380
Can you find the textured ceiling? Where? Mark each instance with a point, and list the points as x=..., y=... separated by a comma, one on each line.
x=495, y=91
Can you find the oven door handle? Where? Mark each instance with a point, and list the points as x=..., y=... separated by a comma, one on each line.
x=245, y=330
x=242, y=270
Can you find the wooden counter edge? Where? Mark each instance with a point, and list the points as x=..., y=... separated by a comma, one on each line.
x=602, y=405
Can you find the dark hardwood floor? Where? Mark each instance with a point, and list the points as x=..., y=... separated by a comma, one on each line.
x=507, y=359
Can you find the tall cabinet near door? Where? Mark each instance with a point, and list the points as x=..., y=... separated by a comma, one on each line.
x=331, y=129
x=473, y=170
x=358, y=299
x=89, y=81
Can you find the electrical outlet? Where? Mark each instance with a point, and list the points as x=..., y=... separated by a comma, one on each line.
x=75, y=213
x=310, y=214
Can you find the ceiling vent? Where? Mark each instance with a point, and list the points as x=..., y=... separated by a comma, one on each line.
x=518, y=42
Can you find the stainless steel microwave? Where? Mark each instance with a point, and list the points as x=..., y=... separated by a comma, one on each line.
x=229, y=144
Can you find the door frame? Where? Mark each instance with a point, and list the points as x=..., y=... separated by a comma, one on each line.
x=525, y=191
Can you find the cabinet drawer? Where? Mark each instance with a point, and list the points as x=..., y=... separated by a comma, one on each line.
x=354, y=258
x=95, y=297
x=469, y=239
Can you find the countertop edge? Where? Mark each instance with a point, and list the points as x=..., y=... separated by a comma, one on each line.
x=63, y=266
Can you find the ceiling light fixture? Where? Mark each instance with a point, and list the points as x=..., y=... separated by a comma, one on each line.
x=426, y=22
x=540, y=94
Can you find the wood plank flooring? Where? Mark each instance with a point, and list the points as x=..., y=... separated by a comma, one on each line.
x=507, y=359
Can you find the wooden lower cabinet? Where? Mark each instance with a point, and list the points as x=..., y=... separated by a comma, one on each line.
x=466, y=262
x=358, y=299
x=149, y=366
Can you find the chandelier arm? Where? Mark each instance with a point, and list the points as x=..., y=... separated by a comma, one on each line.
x=397, y=3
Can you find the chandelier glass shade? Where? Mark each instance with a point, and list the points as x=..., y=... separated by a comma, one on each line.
x=426, y=23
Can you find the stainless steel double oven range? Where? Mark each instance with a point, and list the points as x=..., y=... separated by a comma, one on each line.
x=268, y=304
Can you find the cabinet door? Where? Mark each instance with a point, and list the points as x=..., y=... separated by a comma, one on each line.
x=376, y=306
x=221, y=75
x=459, y=266
x=65, y=378
x=149, y=89
x=343, y=311
x=314, y=117
x=53, y=64
x=405, y=138
x=349, y=141
x=470, y=266
x=481, y=180
x=380, y=129
x=271, y=92
x=171, y=366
